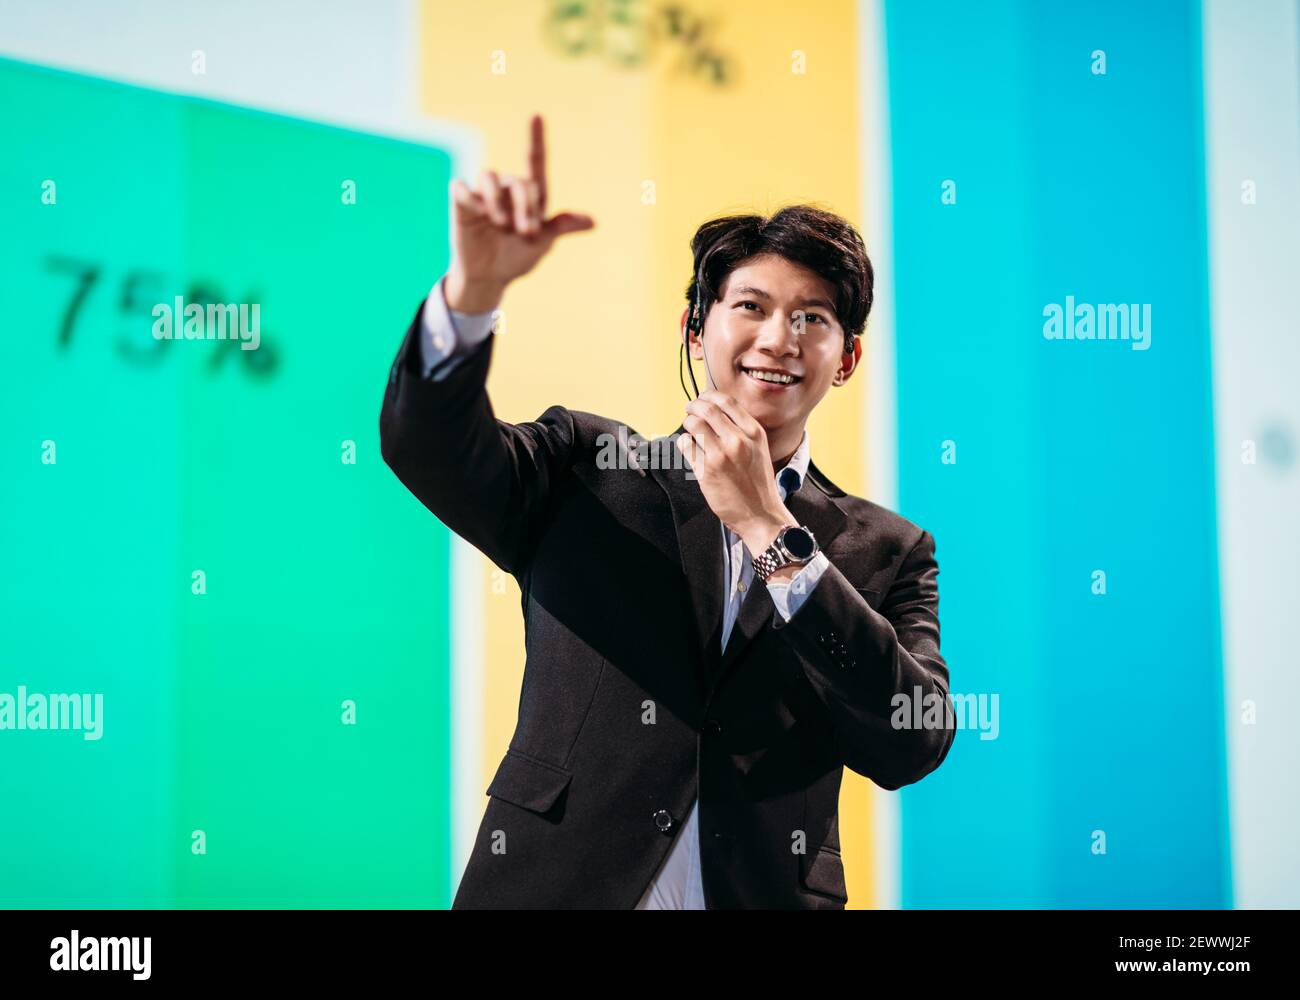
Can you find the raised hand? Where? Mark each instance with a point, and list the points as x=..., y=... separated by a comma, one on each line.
x=500, y=229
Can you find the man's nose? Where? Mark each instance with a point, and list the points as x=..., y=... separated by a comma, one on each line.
x=778, y=333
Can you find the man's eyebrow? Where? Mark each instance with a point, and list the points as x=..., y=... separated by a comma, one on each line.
x=751, y=290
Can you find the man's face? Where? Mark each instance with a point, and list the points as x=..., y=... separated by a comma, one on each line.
x=775, y=318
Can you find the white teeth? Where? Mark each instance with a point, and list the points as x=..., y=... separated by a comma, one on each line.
x=769, y=376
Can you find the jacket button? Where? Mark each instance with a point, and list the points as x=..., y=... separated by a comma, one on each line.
x=713, y=728
x=664, y=820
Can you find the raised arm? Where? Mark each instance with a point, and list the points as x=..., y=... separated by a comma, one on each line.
x=486, y=479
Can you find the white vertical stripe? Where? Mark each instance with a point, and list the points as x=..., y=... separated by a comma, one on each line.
x=881, y=437
x=1252, y=107
x=467, y=702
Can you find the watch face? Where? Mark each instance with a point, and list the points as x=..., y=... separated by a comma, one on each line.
x=798, y=542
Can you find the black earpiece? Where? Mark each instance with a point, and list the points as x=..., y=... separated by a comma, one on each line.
x=694, y=324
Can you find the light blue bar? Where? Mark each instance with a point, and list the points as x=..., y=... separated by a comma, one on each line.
x=1072, y=456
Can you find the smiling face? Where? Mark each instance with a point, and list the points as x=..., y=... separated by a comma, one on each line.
x=775, y=344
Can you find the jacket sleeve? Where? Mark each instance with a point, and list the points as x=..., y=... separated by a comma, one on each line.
x=489, y=481
x=879, y=674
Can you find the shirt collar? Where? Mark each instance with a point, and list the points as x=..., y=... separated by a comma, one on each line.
x=792, y=474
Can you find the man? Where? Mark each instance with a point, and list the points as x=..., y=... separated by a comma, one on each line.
x=711, y=639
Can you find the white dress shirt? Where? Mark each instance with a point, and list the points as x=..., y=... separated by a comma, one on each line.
x=447, y=336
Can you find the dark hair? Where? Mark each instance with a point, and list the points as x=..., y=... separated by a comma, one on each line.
x=819, y=240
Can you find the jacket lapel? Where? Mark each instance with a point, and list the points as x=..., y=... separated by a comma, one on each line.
x=699, y=539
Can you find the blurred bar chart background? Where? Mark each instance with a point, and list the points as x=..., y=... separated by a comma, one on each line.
x=1115, y=519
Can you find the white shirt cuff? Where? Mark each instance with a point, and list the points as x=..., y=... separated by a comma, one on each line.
x=788, y=597
x=446, y=335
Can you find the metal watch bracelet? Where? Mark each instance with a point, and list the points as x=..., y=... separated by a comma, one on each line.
x=775, y=555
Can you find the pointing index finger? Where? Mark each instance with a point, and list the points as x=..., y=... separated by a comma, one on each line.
x=537, y=161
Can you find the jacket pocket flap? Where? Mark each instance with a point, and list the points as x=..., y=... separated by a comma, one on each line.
x=823, y=871
x=529, y=783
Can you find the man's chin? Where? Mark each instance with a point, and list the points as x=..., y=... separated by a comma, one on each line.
x=769, y=413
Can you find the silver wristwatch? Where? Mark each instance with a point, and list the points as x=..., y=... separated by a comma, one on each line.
x=794, y=544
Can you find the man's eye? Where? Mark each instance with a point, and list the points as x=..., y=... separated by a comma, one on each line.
x=808, y=315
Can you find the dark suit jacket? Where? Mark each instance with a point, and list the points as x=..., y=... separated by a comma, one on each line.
x=628, y=708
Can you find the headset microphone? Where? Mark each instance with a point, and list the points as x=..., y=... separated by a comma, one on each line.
x=694, y=324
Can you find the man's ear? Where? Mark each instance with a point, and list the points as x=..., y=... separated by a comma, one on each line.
x=693, y=343
x=848, y=363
